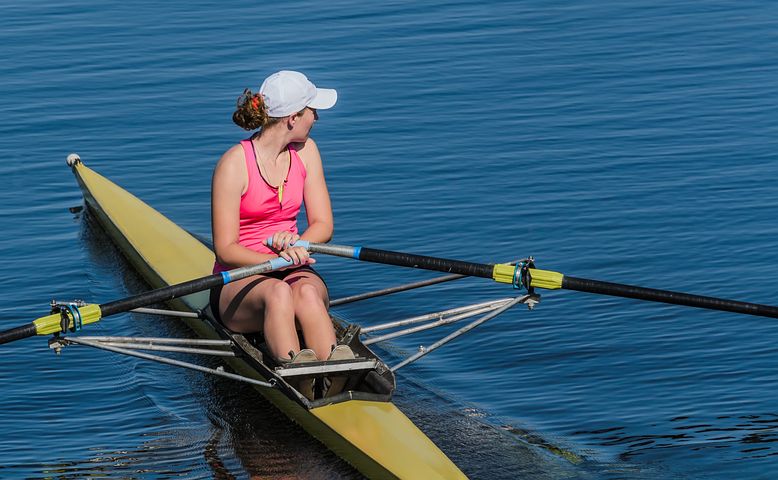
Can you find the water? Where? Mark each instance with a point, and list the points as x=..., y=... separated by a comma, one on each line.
x=624, y=141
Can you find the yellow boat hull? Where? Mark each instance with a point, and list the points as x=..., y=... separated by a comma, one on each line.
x=375, y=437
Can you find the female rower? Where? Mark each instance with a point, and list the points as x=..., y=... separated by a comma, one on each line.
x=258, y=188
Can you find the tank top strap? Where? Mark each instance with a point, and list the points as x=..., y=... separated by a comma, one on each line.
x=251, y=164
x=295, y=158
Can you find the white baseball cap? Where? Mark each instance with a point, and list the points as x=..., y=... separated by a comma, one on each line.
x=287, y=92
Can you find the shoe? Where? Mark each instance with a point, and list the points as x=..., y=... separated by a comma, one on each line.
x=341, y=352
x=303, y=356
x=304, y=386
x=334, y=385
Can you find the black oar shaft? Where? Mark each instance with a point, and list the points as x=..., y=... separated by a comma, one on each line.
x=161, y=295
x=92, y=313
x=17, y=333
x=126, y=304
x=667, y=296
x=545, y=279
x=426, y=263
x=182, y=289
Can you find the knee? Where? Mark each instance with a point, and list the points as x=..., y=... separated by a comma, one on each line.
x=307, y=294
x=278, y=294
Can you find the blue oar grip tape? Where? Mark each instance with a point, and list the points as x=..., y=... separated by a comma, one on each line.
x=279, y=262
x=226, y=278
x=357, y=251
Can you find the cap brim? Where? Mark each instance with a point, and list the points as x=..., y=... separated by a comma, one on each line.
x=325, y=98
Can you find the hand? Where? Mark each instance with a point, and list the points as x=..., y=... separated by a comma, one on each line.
x=283, y=243
x=297, y=255
x=283, y=240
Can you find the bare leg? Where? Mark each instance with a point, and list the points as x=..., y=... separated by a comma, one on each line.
x=261, y=304
x=310, y=300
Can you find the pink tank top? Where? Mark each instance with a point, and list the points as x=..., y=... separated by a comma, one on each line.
x=261, y=213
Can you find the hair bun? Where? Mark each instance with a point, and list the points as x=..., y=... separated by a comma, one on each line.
x=251, y=111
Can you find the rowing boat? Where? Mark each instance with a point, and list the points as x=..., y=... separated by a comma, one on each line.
x=361, y=424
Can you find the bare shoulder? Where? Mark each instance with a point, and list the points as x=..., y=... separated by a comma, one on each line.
x=309, y=152
x=232, y=161
x=230, y=172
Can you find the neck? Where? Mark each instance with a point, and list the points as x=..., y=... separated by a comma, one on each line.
x=270, y=145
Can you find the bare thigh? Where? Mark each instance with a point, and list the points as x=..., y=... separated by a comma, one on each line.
x=242, y=303
x=298, y=280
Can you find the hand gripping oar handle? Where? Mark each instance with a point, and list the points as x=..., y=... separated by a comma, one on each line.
x=93, y=313
x=545, y=279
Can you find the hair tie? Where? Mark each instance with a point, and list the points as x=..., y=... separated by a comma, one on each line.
x=255, y=103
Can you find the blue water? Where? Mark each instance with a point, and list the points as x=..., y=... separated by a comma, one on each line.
x=625, y=141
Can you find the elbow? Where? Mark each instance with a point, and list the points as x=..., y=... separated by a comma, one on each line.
x=221, y=258
x=330, y=231
x=319, y=231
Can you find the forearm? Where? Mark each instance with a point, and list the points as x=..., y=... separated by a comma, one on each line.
x=318, y=232
x=235, y=255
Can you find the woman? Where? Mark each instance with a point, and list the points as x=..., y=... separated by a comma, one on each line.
x=257, y=191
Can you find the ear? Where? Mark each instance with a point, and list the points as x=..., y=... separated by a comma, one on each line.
x=291, y=120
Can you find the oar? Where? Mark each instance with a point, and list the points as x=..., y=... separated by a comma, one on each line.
x=92, y=313
x=529, y=277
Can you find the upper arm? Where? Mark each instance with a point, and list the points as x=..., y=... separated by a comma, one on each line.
x=315, y=193
x=227, y=185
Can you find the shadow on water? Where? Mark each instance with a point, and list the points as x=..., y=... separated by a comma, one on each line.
x=217, y=428
x=734, y=438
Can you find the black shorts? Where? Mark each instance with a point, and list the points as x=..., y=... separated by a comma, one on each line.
x=216, y=292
